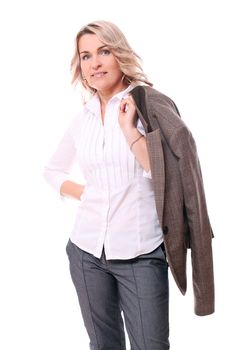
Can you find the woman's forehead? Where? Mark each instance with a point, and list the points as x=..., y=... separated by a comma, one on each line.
x=89, y=42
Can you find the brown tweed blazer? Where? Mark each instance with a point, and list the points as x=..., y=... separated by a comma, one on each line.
x=179, y=194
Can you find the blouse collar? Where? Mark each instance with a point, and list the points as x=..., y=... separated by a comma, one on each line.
x=94, y=103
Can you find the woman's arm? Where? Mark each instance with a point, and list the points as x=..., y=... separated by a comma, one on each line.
x=71, y=189
x=138, y=148
x=57, y=171
x=127, y=121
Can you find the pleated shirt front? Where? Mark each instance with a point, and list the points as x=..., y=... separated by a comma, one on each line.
x=117, y=208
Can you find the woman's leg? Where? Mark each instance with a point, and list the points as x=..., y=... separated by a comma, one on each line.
x=143, y=288
x=98, y=298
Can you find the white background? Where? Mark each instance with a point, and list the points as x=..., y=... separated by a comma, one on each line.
x=186, y=48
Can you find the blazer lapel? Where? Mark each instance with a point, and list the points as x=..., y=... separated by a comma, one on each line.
x=155, y=150
x=142, y=119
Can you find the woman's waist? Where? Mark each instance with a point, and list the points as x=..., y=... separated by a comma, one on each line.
x=139, y=187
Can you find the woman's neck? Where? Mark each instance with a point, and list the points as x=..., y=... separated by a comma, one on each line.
x=105, y=96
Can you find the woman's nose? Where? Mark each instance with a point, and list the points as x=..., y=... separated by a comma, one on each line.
x=96, y=62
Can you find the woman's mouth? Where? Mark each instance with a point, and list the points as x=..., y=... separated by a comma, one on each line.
x=98, y=74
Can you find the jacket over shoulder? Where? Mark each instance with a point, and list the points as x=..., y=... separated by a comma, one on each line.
x=179, y=193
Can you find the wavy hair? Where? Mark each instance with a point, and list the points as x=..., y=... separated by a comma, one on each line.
x=111, y=36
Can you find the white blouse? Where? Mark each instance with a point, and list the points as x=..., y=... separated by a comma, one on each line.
x=117, y=208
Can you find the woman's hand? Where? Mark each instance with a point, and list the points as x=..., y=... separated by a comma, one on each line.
x=72, y=189
x=127, y=114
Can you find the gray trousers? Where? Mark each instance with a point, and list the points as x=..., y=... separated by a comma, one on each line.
x=137, y=287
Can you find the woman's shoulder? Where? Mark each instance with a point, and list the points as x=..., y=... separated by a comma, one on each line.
x=163, y=107
x=153, y=95
x=158, y=105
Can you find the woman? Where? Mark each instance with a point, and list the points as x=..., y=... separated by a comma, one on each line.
x=137, y=211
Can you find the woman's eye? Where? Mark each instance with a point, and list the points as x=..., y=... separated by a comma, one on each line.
x=105, y=52
x=84, y=57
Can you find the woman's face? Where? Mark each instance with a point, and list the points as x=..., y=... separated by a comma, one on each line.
x=98, y=66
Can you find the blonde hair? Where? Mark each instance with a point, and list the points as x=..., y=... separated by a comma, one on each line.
x=111, y=36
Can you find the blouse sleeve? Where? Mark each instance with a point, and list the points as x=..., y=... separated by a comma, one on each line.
x=141, y=129
x=60, y=164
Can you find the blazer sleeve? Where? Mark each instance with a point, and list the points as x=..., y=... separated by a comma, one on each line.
x=200, y=231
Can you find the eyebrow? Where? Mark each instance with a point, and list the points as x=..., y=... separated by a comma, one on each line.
x=99, y=48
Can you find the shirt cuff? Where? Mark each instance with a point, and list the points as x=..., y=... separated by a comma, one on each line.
x=147, y=174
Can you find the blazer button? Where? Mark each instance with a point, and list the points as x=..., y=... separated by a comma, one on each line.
x=165, y=230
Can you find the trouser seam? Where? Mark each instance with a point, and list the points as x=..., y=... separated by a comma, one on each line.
x=119, y=321
x=140, y=311
x=93, y=323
